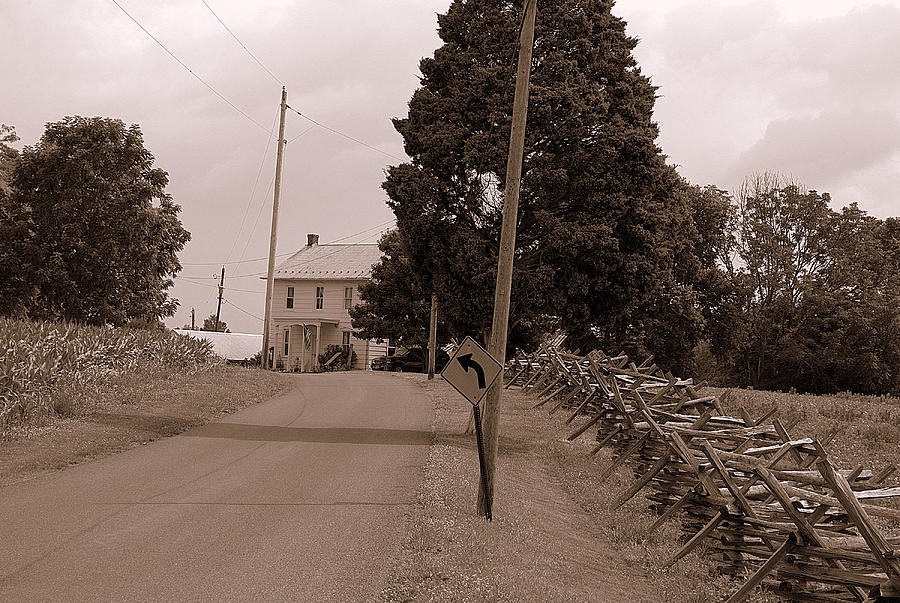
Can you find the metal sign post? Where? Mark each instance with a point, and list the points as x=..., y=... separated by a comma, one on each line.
x=471, y=372
x=480, y=439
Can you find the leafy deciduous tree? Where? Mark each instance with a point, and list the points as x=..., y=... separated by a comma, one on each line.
x=209, y=324
x=94, y=218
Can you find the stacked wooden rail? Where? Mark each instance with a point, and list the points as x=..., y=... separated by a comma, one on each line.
x=771, y=508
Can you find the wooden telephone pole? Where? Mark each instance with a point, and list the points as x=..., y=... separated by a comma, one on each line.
x=219, y=307
x=497, y=347
x=270, y=278
x=432, y=337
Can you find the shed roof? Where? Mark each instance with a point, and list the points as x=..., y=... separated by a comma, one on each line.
x=338, y=262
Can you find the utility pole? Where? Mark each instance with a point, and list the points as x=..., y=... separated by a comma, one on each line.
x=497, y=347
x=432, y=337
x=193, y=323
x=219, y=307
x=270, y=279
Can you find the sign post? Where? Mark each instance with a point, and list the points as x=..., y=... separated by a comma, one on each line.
x=471, y=372
x=480, y=439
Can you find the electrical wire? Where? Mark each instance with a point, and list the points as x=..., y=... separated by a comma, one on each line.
x=242, y=310
x=233, y=262
x=196, y=282
x=242, y=45
x=253, y=190
x=322, y=257
x=336, y=251
x=347, y=136
x=300, y=134
x=189, y=70
x=280, y=255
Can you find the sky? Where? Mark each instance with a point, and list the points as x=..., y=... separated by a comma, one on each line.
x=805, y=88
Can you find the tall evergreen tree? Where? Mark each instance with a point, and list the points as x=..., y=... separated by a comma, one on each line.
x=604, y=238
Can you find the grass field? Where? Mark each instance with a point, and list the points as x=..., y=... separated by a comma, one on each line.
x=867, y=428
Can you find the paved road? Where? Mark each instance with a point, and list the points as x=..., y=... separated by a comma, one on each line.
x=302, y=498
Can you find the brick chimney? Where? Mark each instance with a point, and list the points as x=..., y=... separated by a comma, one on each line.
x=312, y=239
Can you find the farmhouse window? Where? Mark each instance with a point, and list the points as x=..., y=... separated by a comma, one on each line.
x=345, y=338
x=320, y=298
x=290, y=298
x=287, y=341
x=348, y=297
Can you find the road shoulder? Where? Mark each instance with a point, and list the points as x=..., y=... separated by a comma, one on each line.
x=555, y=534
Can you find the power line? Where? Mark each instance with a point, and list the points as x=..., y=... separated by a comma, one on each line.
x=328, y=255
x=242, y=310
x=258, y=214
x=280, y=255
x=189, y=70
x=253, y=190
x=347, y=136
x=301, y=134
x=322, y=257
x=238, y=40
x=232, y=262
x=199, y=283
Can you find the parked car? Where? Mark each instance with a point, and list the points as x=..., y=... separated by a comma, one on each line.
x=378, y=363
x=410, y=360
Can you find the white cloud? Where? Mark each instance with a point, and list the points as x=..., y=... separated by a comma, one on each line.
x=800, y=87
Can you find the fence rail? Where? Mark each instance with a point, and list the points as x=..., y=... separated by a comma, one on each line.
x=771, y=507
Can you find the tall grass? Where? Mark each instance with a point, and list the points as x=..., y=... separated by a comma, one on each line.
x=41, y=360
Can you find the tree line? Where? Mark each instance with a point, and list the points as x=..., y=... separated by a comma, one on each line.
x=772, y=289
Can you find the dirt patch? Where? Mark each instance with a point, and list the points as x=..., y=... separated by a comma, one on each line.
x=135, y=411
x=555, y=534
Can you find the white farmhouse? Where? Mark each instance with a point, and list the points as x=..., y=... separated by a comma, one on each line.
x=314, y=291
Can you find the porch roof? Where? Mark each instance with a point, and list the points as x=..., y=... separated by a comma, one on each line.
x=316, y=322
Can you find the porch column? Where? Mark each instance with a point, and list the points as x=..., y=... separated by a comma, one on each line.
x=302, y=346
x=318, y=338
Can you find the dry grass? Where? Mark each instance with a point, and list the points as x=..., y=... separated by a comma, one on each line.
x=556, y=535
x=867, y=428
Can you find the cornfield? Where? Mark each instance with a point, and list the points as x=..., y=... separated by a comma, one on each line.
x=40, y=359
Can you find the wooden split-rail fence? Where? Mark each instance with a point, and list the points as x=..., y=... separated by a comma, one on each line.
x=771, y=508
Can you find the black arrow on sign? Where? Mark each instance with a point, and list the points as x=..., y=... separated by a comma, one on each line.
x=466, y=362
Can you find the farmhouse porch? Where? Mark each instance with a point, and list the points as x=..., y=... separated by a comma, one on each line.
x=305, y=340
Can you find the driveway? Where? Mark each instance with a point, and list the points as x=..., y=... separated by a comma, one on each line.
x=301, y=498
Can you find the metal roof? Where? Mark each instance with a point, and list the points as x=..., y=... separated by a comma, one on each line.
x=321, y=262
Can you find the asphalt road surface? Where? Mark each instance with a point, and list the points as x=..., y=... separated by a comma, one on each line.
x=302, y=498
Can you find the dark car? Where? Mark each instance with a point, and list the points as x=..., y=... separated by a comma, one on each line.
x=379, y=363
x=411, y=360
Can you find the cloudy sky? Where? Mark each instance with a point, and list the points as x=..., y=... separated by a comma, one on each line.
x=807, y=88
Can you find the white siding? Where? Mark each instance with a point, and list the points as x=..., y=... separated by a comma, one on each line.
x=304, y=310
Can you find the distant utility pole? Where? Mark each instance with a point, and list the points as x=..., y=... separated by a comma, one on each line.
x=497, y=347
x=432, y=337
x=219, y=307
x=193, y=323
x=270, y=279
